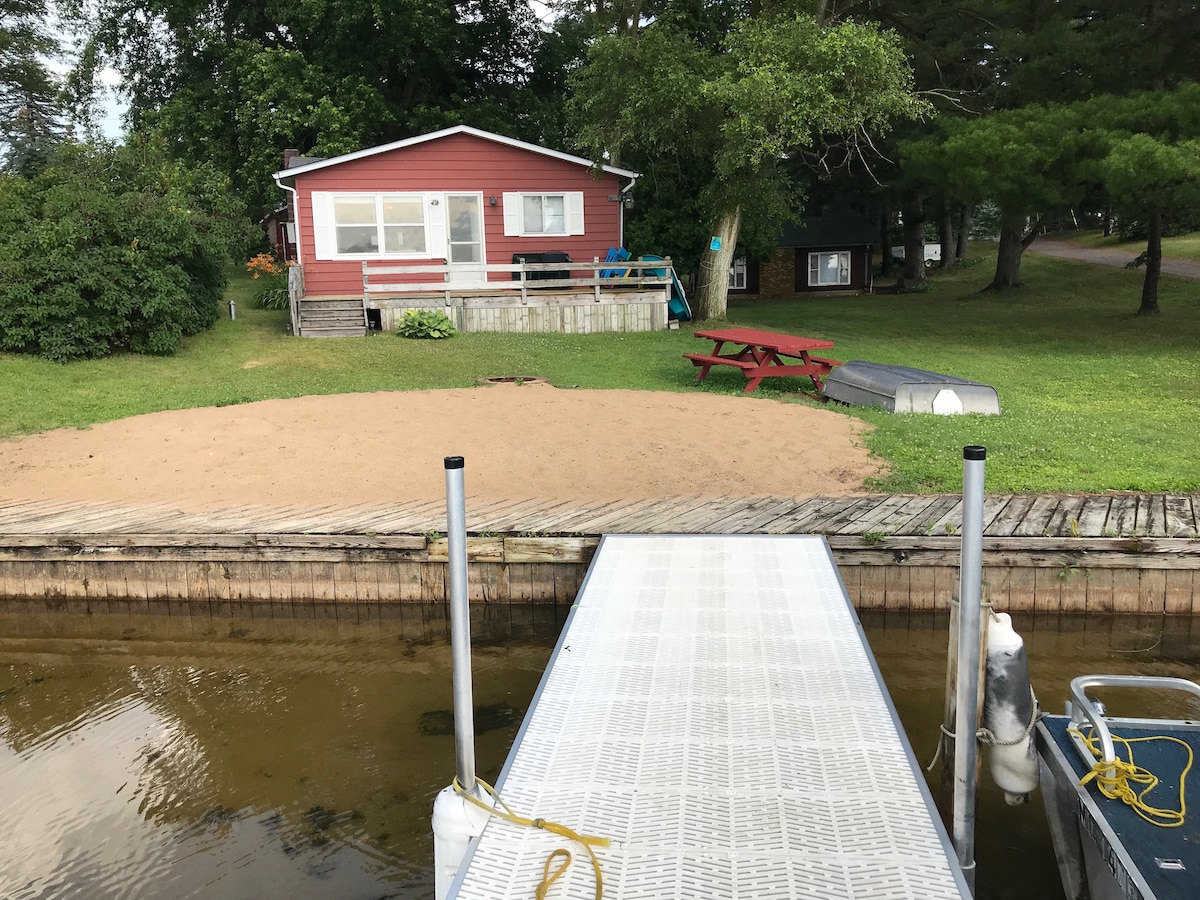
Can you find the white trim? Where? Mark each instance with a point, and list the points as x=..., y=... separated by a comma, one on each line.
x=324, y=240
x=296, y=220
x=511, y=201
x=447, y=132
x=573, y=201
x=437, y=229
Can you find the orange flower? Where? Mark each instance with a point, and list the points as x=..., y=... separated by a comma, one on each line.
x=264, y=264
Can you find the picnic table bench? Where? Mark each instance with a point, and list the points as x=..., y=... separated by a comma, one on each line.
x=763, y=354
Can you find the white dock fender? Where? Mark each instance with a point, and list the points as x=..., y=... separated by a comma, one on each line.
x=456, y=822
x=1009, y=712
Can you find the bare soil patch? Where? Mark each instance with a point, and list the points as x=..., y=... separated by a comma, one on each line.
x=520, y=441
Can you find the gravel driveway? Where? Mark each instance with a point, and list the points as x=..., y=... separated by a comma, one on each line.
x=1185, y=268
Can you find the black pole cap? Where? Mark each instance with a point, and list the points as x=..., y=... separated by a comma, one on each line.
x=455, y=462
x=973, y=453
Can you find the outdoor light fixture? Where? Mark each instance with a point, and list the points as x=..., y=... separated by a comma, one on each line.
x=492, y=201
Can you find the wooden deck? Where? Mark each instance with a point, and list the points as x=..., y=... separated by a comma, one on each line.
x=1121, y=552
x=877, y=517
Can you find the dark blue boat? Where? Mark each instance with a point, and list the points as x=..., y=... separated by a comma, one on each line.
x=1106, y=850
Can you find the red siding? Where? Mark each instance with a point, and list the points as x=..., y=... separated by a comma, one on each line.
x=462, y=162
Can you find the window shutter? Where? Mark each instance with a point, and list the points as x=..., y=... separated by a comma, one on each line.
x=574, y=206
x=324, y=238
x=512, y=214
x=435, y=226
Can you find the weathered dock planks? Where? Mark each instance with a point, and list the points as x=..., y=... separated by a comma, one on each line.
x=1131, y=553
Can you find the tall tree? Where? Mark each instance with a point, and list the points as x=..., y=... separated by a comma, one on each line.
x=30, y=102
x=1154, y=179
x=1149, y=165
x=1026, y=161
x=776, y=87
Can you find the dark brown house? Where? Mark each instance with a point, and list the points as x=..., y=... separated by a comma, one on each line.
x=825, y=255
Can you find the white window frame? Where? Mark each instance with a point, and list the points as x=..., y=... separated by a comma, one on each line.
x=325, y=224
x=814, y=268
x=514, y=213
x=738, y=273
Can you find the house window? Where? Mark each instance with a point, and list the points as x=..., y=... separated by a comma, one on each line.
x=737, y=274
x=537, y=215
x=543, y=214
x=379, y=224
x=829, y=269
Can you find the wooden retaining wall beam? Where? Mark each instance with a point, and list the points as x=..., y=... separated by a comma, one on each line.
x=1053, y=574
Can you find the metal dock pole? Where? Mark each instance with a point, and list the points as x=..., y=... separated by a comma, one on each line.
x=456, y=821
x=460, y=626
x=966, y=717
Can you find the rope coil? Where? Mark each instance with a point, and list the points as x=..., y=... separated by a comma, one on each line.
x=1114, y=779
x=986, y=736
x=585, y=840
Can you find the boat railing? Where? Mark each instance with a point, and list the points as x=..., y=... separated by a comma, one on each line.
x=1083, y=708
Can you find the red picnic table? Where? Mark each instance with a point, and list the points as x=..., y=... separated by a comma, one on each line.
x=763, y=354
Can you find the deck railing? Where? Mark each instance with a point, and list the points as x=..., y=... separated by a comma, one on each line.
x=601, y=275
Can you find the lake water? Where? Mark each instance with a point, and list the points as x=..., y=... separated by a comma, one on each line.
x=165, y=757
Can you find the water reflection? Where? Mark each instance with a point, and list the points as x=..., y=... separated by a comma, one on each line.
x=238, y=762
x=207, y=757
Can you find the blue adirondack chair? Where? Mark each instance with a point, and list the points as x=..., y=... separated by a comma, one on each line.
x=615, y=255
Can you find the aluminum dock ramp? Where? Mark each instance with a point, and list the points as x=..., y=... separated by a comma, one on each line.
x=712, y=706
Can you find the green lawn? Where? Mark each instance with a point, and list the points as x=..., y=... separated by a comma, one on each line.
x=1093, y=397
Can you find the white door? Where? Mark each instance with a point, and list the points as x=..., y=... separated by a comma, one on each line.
x=464, y=232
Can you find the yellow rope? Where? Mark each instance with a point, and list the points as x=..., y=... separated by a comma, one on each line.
x=1114, y=779
x=547, y=878
x=585, y=840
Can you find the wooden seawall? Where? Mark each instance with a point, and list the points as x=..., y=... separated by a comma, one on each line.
x=1127, y=553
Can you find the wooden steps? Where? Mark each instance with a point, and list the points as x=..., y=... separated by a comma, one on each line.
x=331, y=317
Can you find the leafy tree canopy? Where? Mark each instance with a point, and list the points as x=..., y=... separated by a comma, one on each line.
x=234, y=83
x=777, y=87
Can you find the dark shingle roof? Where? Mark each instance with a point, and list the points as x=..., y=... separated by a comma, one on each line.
x=824, y=231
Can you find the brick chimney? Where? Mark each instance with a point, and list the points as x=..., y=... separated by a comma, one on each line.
x=288, y=156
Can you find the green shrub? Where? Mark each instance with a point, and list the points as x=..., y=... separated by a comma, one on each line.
x=112, y=249
x=425, y=323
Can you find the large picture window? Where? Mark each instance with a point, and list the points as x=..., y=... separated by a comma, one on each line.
x=379, y=224
x=829, y=269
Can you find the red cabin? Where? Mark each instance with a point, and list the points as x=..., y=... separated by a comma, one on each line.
x=459, y=197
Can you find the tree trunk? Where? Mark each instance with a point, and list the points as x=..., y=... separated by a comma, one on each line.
x=946, y=235
x=964, y=231
x=1149, y=305
x=913, y=213
x=884, y=230
x=713, y=290
x=1008, y=259
x=1108, y=220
